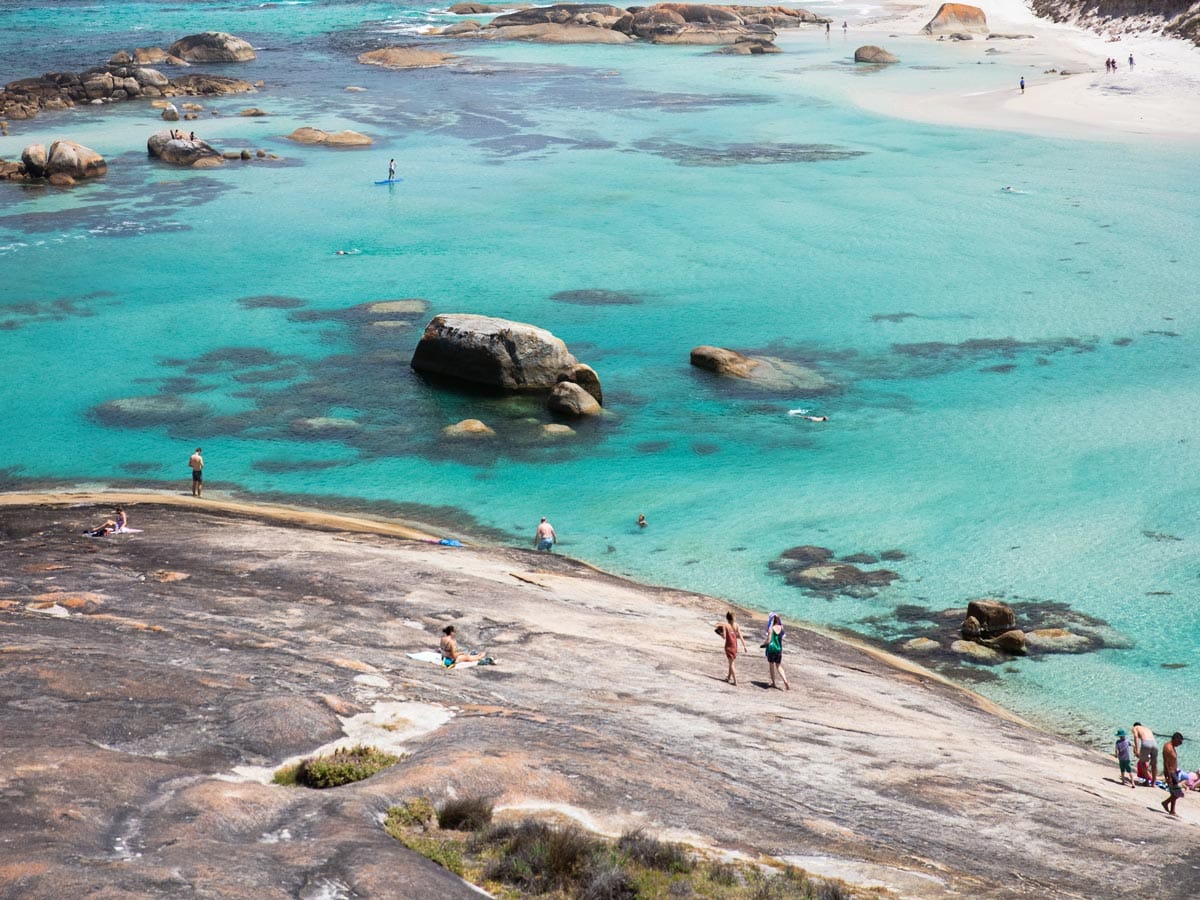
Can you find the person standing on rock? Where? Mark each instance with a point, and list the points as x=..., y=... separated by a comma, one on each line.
x=1172, y=773
x=1146, y=747
x=774, y=647
x=196, y=464
x=1124, y=754
x=545, y=538
x=732, y=635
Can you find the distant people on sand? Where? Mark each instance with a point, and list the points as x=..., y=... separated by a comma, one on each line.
x=1131, y=60
x=826, y=29
x=642, y=523
x=196, y=464
x=1174, y=776
x=545, y=538
x=1145, y=747
x=774, y=648
x=116, y=525
x=1124, y=755
x=732, y=635
x=450, y=652
x=1022, y=84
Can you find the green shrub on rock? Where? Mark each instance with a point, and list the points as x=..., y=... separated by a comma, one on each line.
x=466, y=814
x=343, y=766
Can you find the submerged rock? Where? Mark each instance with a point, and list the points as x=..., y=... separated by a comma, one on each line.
x=957, y=18
x=308, y=135
x=922, y=645
x=1059, y=640
x=977, y=652
x=468, y=428
x=764, y=372
x=407, y=57
x=569, y=399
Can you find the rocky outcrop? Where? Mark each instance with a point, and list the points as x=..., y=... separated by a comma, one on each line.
x=497, y=354
x=405, y=58
x=872, y=54
x=25, y=98
x=748, y=30
x=307, y=135
x=766, y=373
x=991, y=618
x=65, y=163
x=212, y=46
x=180, y=151
x=1180, y=18
x=957, y=17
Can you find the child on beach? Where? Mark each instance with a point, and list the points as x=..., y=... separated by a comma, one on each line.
x=1124, y=755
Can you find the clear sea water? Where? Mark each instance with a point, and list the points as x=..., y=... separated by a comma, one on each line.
x=1016, y=385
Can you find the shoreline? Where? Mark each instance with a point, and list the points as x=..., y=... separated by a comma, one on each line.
x=211, y=656
x=1156, y=99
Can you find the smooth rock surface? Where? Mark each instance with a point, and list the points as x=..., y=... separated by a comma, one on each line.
x=220, y=641
x=869, y=53
x=494, y=353
x=212, y=46
x=308, y=135
x=957, y=17
x=405, y=58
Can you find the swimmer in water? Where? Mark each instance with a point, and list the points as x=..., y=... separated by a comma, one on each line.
x=817, y=418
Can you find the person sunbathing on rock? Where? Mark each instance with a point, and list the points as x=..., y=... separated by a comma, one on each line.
x=450, y=652
x=110, y=526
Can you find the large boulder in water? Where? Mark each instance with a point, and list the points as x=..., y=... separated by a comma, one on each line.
x=75, y=160
x=492, y=353
x=957, y=17
x=307, y=135
x=179, y=151
x=993, y=618
x=693, y=23
x=34, y=159
x=872, y=54
x=764, y=372
x=569, y=399
x=212, y=46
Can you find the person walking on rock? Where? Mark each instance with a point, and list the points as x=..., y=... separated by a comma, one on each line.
x=545, y=538
x=732, y=635
x=1124, y=755
x=1172, y=773
x=774, y=647
x=196, y=464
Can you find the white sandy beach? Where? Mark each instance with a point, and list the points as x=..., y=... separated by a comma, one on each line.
x=1159, y=97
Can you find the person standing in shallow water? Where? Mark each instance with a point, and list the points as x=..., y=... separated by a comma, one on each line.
x=545, y=538
x=774, y=647
x=196, y=464
x=732, y=635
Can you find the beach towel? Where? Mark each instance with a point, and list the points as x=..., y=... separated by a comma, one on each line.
x=432, y=656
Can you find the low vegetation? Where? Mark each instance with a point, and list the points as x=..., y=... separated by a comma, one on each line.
x=337, y=768
x=531, y=858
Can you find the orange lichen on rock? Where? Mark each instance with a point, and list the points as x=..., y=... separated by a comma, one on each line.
x=167, y=576
x=353, y=664
x=121, y=620
x=955, y=17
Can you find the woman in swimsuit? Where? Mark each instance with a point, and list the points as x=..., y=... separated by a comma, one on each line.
x=110, y=526
x=774, y=645
x=732, y=635
x=450, y=652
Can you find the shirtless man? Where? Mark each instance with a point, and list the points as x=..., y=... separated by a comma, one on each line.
x=1171, y=765
x=1146, y=747
x=196, y=464
x=545, y=538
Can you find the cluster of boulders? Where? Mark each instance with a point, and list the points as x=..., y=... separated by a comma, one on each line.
x=662, y=23
x=63, y=164
x=127, y=76
x=501, y=356
x=817, y=571
x=991, y=632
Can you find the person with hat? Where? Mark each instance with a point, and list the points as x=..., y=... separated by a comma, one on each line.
x=1124, y=754
x=1174, y=779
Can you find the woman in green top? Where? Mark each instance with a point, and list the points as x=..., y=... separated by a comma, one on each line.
x=774, y=645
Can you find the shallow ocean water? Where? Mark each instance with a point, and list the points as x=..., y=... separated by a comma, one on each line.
x=1015, y=391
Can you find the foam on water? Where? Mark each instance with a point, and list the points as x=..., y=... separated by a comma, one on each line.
x=1014, y=376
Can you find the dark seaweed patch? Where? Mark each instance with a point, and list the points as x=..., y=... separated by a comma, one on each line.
x=703, y=449
x=893, y=317
x=652, y=446
x=270, y=301
x=596, y=297
x=287, y=466
x=230, y=358
x=35, y=311
x=141, y=468
x=747, y=154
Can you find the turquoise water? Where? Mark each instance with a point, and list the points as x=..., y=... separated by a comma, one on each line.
x=1015, y=381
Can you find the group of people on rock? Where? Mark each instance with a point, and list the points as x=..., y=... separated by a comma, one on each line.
x=1144, y=748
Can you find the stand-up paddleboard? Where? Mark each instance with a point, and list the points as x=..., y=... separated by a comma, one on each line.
x=390, y=181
